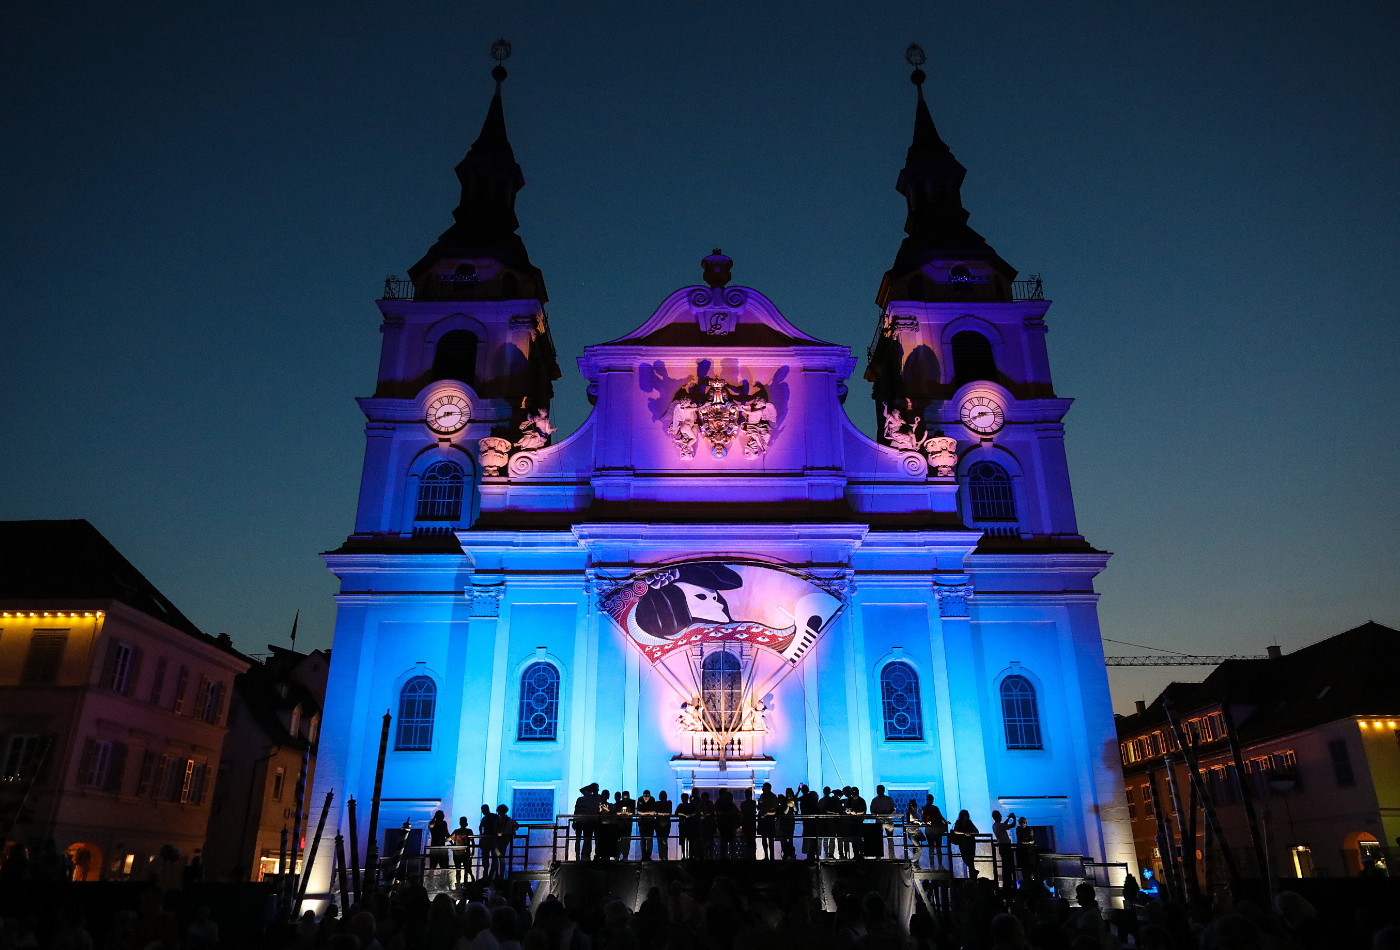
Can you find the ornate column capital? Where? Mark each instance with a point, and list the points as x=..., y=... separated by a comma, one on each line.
x=486, y=599
x=952, y=598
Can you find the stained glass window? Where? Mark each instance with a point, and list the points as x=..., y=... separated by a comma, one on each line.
x=899, y=697
x=539, y=703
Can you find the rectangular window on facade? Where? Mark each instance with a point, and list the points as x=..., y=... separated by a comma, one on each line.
x=45, y=657
x=1132, y=805
x=181, y=682
x=147, y=773
x=192, y=784
x=200, y=693
x=158, y=681
x=1147, y=801
x=92, y=769
x=1341, y=763
x=532, y=804
x=279, y=779
x=169, y=782
x=121, y=660
x=21, y=757
x=212, y=706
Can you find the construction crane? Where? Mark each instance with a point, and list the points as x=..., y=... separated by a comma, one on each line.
x=1175, y=659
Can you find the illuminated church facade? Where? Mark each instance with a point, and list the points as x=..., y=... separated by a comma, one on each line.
x=718, y=580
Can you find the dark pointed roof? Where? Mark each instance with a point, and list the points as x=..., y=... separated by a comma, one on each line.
x=71, y=560
x=484, y=221
x=936, y=222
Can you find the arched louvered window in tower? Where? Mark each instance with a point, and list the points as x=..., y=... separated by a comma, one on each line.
x=899, y=698
x=539, y=703
x=440, y=492
x=989, y=492
x=1020, y=713
x=972, y=358
x=417, y=702
x=454, y=357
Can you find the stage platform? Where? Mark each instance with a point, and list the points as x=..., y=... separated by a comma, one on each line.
x=776, y=882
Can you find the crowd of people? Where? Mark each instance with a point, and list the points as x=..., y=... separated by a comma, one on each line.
x=723, y=915
x=835, y=824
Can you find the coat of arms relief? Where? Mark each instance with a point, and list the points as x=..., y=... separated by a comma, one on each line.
x=718, y=412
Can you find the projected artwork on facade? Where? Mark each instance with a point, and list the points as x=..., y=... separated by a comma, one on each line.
x=701, y=602
x=723, y=636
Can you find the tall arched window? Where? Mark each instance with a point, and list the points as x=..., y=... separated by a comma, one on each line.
x=539, y=703
x=972, y=358
x=1019, y=713
x=899, y=698
x=440, y=492
x=722, y=688
x=989, y=491
x=417, y=700
x=454, y=357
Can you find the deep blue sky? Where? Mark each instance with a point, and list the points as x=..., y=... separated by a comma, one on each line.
x=200, y=202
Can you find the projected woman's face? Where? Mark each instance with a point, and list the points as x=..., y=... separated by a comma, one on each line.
x=704, y=604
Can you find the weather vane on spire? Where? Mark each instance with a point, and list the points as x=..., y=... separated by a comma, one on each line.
x=914, y=56
x=500, y=52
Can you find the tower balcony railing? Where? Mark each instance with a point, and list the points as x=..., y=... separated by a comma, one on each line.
x=1029, y=289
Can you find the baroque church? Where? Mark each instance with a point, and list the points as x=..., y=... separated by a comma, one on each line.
x=718, y=580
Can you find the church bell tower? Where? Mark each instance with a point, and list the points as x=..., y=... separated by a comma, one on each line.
x=959, y=365
x=467, y=359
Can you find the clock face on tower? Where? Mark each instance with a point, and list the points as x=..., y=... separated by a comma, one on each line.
x=448, y=412
x=981, y=412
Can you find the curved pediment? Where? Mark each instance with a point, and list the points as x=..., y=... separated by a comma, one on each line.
x=718, y=316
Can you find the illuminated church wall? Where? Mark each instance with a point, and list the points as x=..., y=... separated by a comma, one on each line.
x=915, y=610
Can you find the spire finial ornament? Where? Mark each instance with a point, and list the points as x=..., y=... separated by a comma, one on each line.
x=500, y=52
x=914, y=56
x=716, y=268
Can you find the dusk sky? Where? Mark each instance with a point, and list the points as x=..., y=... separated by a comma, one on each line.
x=200, y=203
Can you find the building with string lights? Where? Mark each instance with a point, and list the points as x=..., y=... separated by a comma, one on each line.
x=718, y=580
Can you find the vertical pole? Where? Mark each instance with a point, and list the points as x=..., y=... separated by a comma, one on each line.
x=311, y=855
x=281, y=867
x=296, y=824
x=1164, y=841
x=340, y=867
x=1188, y=881
x=354, y=853
x=1193, y=806
x=1208, y=852
x=1246, y=796
x=1207, y=803
x=372, y=846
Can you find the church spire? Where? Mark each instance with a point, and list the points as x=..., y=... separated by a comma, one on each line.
x=942, y=258
x=480, y=257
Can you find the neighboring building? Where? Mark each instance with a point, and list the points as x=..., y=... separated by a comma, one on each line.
x=274, y=722
x=1319, y=738
x=112, y=703
x=718, y=579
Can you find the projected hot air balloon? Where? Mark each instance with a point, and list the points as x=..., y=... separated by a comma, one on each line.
x=722, y=635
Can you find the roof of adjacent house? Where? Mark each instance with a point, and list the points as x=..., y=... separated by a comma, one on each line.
x=1349, y=674
x=71, y=560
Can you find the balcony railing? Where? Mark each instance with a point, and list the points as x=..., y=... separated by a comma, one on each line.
x=1028, y=289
